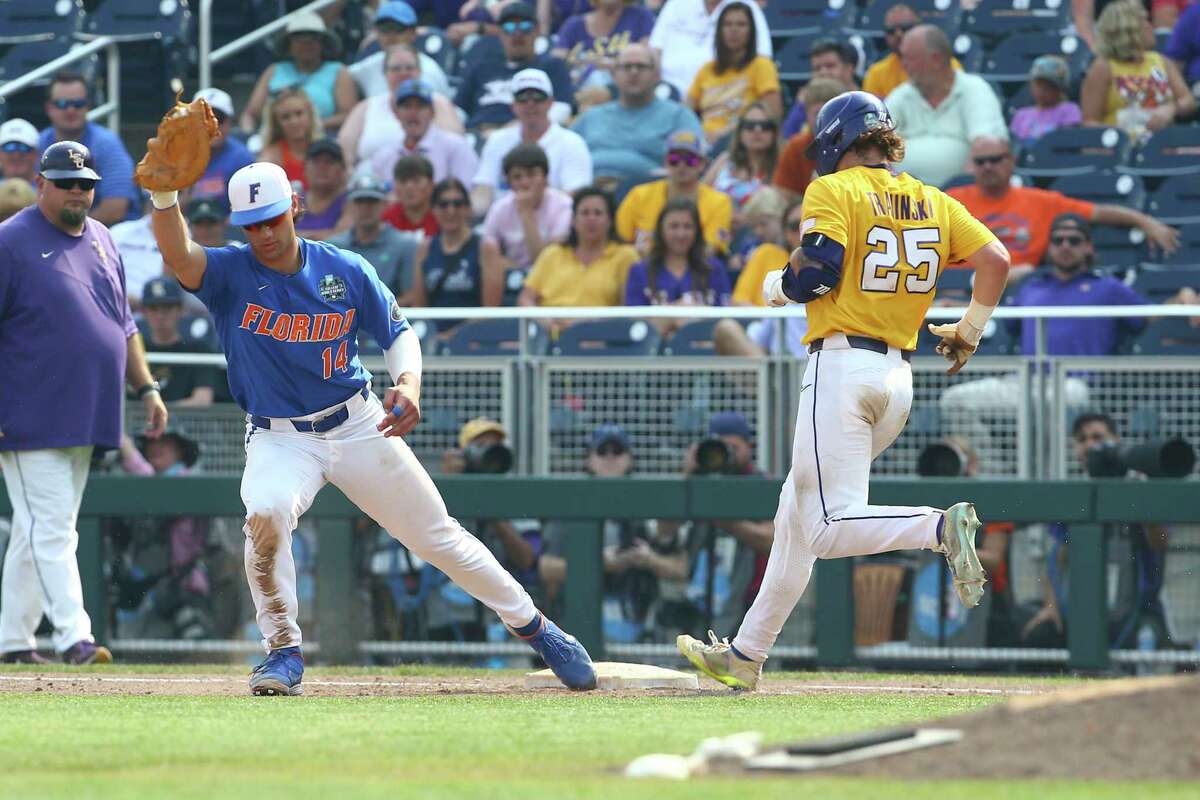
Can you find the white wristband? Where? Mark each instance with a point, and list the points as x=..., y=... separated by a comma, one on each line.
x=973, y=323
x=164, y=200
x=773, y=289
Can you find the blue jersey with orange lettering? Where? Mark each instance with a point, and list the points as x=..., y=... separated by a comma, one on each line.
x=292, y=340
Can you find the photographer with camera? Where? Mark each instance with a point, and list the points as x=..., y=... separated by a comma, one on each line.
x=1099, y=451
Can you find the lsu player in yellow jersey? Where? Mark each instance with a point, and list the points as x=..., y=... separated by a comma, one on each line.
x=873, y=243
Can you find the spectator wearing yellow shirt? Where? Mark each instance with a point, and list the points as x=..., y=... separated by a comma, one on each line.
x=888, y=73
x=737, y=76
x=589, y=269
x=637, y=217
x=761, y=336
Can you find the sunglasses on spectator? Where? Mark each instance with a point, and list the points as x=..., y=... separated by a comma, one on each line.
x=983, y=161
x=905, y=28
x=273, y=222
x=62, y=105
x=16, y=147
x=636, y=66
x=530, y=96
x=455, y=202
x=678, y=157
x=524, y=26
x=610, y=449
x=1067, y=241
x=758, y=125
x=67, y=184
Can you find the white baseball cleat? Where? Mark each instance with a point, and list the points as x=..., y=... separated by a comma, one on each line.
x=958, y=545
x=717, y=661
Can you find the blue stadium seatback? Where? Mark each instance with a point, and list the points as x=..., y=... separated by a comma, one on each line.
x=692, y=339
x=996, y=340
x=139, y=19
x=969, y=51
x=488, y=337
x=955, y=284
x=792, y=59
x=608, y=337
x=1119, y=247
x=998, y=18
x=41, y=18
x=1176, y=200
x=1169, y=336
x=1171, y=151
x=1008, y=61
x=1159, y=284
x=18, y=58
x=1104, y=187
x=945, y=14
x=787, y=19
x=668, y=91
x=1074, y=151
x=434, y=44
x=961, y=179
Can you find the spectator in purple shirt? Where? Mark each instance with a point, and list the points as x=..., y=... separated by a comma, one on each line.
x=1049, y=82
x=677, y=271
x=1184, y=45
x=591, y=42
x=68, y=344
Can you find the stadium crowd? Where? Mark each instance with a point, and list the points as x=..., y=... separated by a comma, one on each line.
x=570, y=153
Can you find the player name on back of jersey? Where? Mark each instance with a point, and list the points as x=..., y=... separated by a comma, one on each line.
x=296, y=327
x=900, y=206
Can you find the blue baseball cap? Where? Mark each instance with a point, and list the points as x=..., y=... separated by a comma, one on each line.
x=730, y=423
x=414, y=88
x=162, y=292
x=396, y=11
x=608, y=433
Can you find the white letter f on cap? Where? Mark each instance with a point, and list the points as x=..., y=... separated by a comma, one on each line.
x=258, y=192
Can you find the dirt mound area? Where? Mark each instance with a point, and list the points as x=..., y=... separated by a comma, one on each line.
x=1133, y=729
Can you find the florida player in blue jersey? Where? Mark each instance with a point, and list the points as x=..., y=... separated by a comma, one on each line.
x=288, y=311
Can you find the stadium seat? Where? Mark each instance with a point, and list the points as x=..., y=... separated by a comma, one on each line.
x=955, y=284
x=1188, y=254
x=786, y=19
x=1171, y=151
x=138, y=19
x=608, y=337
x=996, y=340
x=993, y=19
x=1176, y=201
x=1169, y=336
x=668, y=91
x=1073, y=151
x=968, y=49
x=487, y=337
x=1009, y=60
x=434, y=44
x=18, y=58
x=961, y=179
x=934, y=12
x=1119, y=247
x=793, y=62
x=40, y=18
x=1158, y=284
x=692, y=339
x=1103, y=187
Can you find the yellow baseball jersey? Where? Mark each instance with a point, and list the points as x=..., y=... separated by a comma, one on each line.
x=898, y=235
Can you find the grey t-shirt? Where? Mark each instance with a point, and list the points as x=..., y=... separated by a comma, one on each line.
x=392, y=254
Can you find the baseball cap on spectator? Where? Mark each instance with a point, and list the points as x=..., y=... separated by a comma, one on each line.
x=367, y=187
x=1053, y=69
x=686, y=142
x=609, y=433
x=219, y=101
x=531, y=80
x=478, y=427
x=517, y=12
x=257, y=192
x=325, y=147
x=1072, y=222
x=729, y=423
x=18, y=132
x=414, y=88
x=205, y=209
x=162, y=292
x=398, y=12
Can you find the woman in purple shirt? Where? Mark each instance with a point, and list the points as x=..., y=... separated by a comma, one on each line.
x=678, y=271
x=591, y=42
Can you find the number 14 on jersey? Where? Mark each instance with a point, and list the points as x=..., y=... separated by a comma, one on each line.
x=330, y=362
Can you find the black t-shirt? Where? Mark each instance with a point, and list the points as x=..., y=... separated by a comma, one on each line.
x=179, y=381
x=485, y=96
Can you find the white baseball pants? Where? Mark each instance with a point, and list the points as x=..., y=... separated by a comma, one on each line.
x=853, y=405
x=41, y=574
x=284, y=471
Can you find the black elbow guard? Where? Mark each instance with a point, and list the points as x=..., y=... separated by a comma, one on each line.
x=820, y=272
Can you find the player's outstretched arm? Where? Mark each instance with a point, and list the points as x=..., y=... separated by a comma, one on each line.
x=960, y=339
x=183, y=257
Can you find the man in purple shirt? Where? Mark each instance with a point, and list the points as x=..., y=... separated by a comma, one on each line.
x=1067, y=281
x=68, y=344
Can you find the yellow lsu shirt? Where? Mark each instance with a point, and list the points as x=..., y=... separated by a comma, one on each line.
x=638, y=215
x=898, y=235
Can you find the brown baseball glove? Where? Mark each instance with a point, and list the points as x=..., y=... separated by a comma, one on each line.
x=952, y=347
x=178, y=155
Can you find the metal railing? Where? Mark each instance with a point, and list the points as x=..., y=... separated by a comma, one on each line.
x=207, y=56
x=112, y=108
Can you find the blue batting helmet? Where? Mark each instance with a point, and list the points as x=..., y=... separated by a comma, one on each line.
x=842, y=120
x=67, y=159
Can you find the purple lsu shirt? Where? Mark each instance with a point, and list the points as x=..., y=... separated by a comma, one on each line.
x=1085, y=336
x=64, y=325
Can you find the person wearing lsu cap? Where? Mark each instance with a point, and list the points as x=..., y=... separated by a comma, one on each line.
x=182, y=385
x=1049, y=83
x=18, y=150
x=638, y=215
x=569, y=157
x=451, y=155
x=228, y=155
x=395, y=23
x=391, y=251
x=208, y=219
x=68, y=348
x=289, y=313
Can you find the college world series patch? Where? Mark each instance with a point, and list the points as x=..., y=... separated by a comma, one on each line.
x=332, y=288
x=397, y=314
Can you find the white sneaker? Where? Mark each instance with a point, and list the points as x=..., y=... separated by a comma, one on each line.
x=717, y=661
x=958, y=545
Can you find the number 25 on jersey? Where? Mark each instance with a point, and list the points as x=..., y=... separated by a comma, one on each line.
x=330, y=362
x=882, y=268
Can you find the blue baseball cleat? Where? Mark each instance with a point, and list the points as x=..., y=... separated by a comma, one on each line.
x=563, y=654
x=280, y=674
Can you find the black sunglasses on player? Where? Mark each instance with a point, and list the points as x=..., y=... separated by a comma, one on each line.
x=67, y=184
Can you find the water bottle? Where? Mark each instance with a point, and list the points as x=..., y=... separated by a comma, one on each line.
x=1146, y=643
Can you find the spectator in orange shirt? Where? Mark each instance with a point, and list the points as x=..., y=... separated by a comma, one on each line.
x=794, y=170
x=1021, y=216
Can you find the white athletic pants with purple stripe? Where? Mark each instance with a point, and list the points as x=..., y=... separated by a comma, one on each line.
x=853, y=405
x=41, y=574
x=284, y=471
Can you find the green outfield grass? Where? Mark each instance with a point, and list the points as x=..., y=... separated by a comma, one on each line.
x=521, y=745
